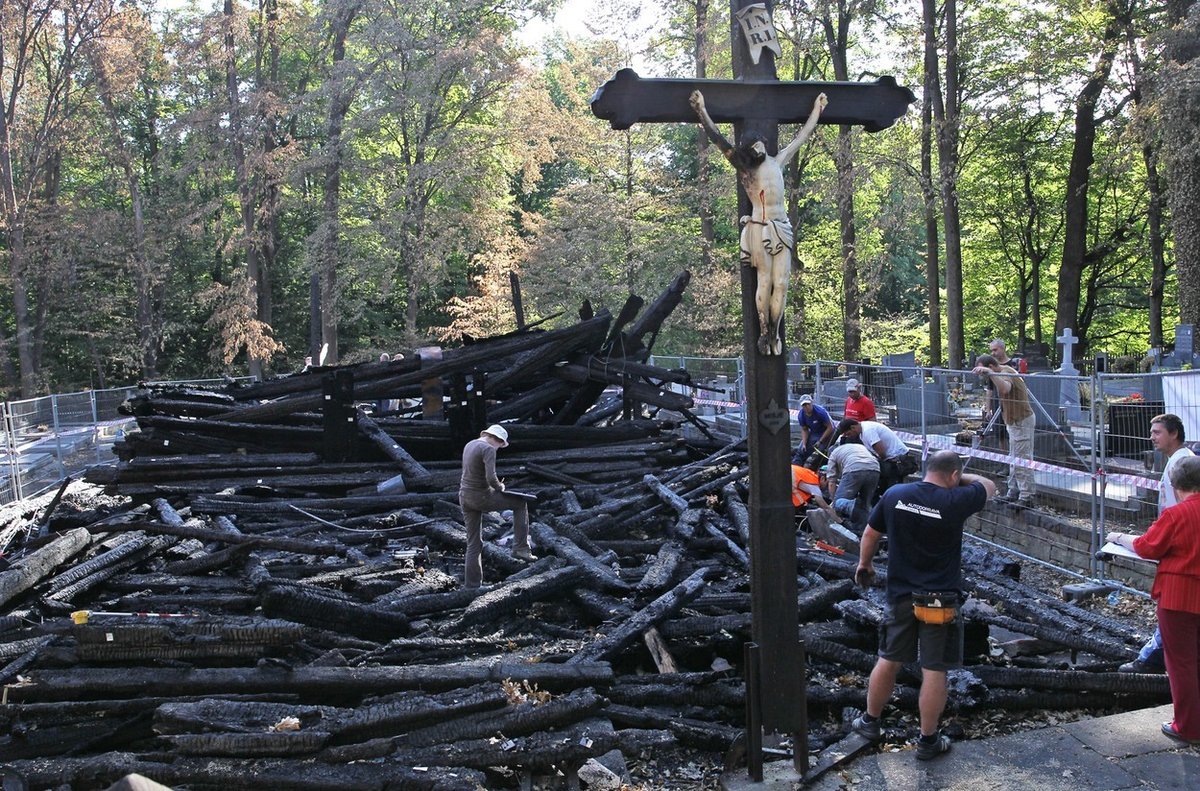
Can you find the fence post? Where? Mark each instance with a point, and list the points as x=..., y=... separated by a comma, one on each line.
x=924, y=424
x=1099, y=479
x=58, y=450
x=743, y=403
x=10, y=446
x=95, y=425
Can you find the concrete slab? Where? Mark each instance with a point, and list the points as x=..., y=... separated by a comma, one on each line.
x=777, y=776
x=1122, y=751
x=1125, y=735
x=1171, y=771
x=1036, y=761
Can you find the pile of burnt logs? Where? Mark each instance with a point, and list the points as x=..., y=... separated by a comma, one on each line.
x=259, y=603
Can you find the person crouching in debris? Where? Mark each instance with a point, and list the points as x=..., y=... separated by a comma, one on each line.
x=479, y=491
x=806, y=489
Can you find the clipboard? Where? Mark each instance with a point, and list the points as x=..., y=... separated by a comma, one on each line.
x=1119, y=551
x=528, y=497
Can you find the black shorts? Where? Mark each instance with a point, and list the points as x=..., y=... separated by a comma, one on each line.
x=900, y=635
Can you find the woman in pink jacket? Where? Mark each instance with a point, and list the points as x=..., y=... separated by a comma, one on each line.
x=1174, y=541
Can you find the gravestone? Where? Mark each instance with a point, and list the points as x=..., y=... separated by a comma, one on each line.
x=1036, y=356
x=1052, y=436
x=800, y=375
x=833, y=395
x=906, y=362
x=1069, y=377
x=1185, y=341
x=1047, y=391
x=1184, y=354
x=1128, y=430
x=931, y=399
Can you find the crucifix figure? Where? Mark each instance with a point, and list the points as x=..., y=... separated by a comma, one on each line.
x=767, y=237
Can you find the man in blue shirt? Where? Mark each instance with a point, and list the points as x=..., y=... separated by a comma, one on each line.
x=924, y=525
x=816, y=429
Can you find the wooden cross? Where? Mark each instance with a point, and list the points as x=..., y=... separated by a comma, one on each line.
x=757, y=102
x=627, y=99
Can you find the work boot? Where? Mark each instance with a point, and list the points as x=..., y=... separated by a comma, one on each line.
x=867, y=730
x=939, y=743
x=523, y=553
x=1138, y=666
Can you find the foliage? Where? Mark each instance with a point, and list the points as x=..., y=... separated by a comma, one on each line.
x=129, y=218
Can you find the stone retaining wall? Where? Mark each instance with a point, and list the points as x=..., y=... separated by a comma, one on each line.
x=1053, y=539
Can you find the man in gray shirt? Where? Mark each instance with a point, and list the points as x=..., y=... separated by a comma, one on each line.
x=479, y=491
x=853, y=475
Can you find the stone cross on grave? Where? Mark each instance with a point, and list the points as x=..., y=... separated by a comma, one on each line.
x=1069, y=388
x=1067, y=339
x=757, y=102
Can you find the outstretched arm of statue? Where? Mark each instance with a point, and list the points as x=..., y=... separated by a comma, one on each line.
x=805, y=131
x=714, y=134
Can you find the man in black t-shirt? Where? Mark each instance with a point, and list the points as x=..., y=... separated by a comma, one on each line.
x=924, y=525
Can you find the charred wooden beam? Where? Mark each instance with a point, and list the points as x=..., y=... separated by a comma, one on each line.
x=311, y=683
x=599, y=574
x=30, y=570
x=611, y=644
x=514, y=594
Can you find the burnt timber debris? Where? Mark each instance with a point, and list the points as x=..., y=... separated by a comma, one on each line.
x=268, y=594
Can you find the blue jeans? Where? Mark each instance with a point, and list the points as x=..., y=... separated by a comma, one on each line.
x=857, y=487
x=1152, y=652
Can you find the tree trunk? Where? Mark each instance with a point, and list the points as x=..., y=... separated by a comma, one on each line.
x=837, y=33
x=145, y=315
x=851, y=304
x=945, y=116
x=18, y=263
x=272, y=195
x=1181, y=99
x=929, y=201
x=1070, y=286
x=704, y=195
x=246, y=201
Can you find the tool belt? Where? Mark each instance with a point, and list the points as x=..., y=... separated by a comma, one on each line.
x=935, y=608
x=903, y=466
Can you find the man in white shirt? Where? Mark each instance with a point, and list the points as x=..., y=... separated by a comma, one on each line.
x=1166, y=435
x=894, y=462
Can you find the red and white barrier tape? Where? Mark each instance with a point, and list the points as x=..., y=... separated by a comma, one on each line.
x=1139, y=481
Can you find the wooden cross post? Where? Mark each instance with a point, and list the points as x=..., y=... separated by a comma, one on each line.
x=757, y=102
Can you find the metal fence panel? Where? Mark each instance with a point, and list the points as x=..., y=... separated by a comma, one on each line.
x=49, y=438
x=1090, y=458
x=1089, y=462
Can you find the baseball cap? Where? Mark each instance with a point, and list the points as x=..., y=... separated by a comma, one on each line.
x=852, y=384
x=805, y=399
x=499, y=432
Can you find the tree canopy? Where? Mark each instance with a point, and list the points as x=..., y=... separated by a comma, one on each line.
x=234, y=186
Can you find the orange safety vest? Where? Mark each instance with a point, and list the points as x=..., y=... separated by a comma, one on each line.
x=803, y=475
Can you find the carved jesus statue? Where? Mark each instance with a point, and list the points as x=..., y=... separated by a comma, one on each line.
x=767, y=242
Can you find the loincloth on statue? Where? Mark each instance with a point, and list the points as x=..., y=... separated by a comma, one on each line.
x=773, y=237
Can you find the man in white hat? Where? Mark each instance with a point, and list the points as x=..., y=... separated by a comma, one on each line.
x=479, y=491
x=858, y=406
